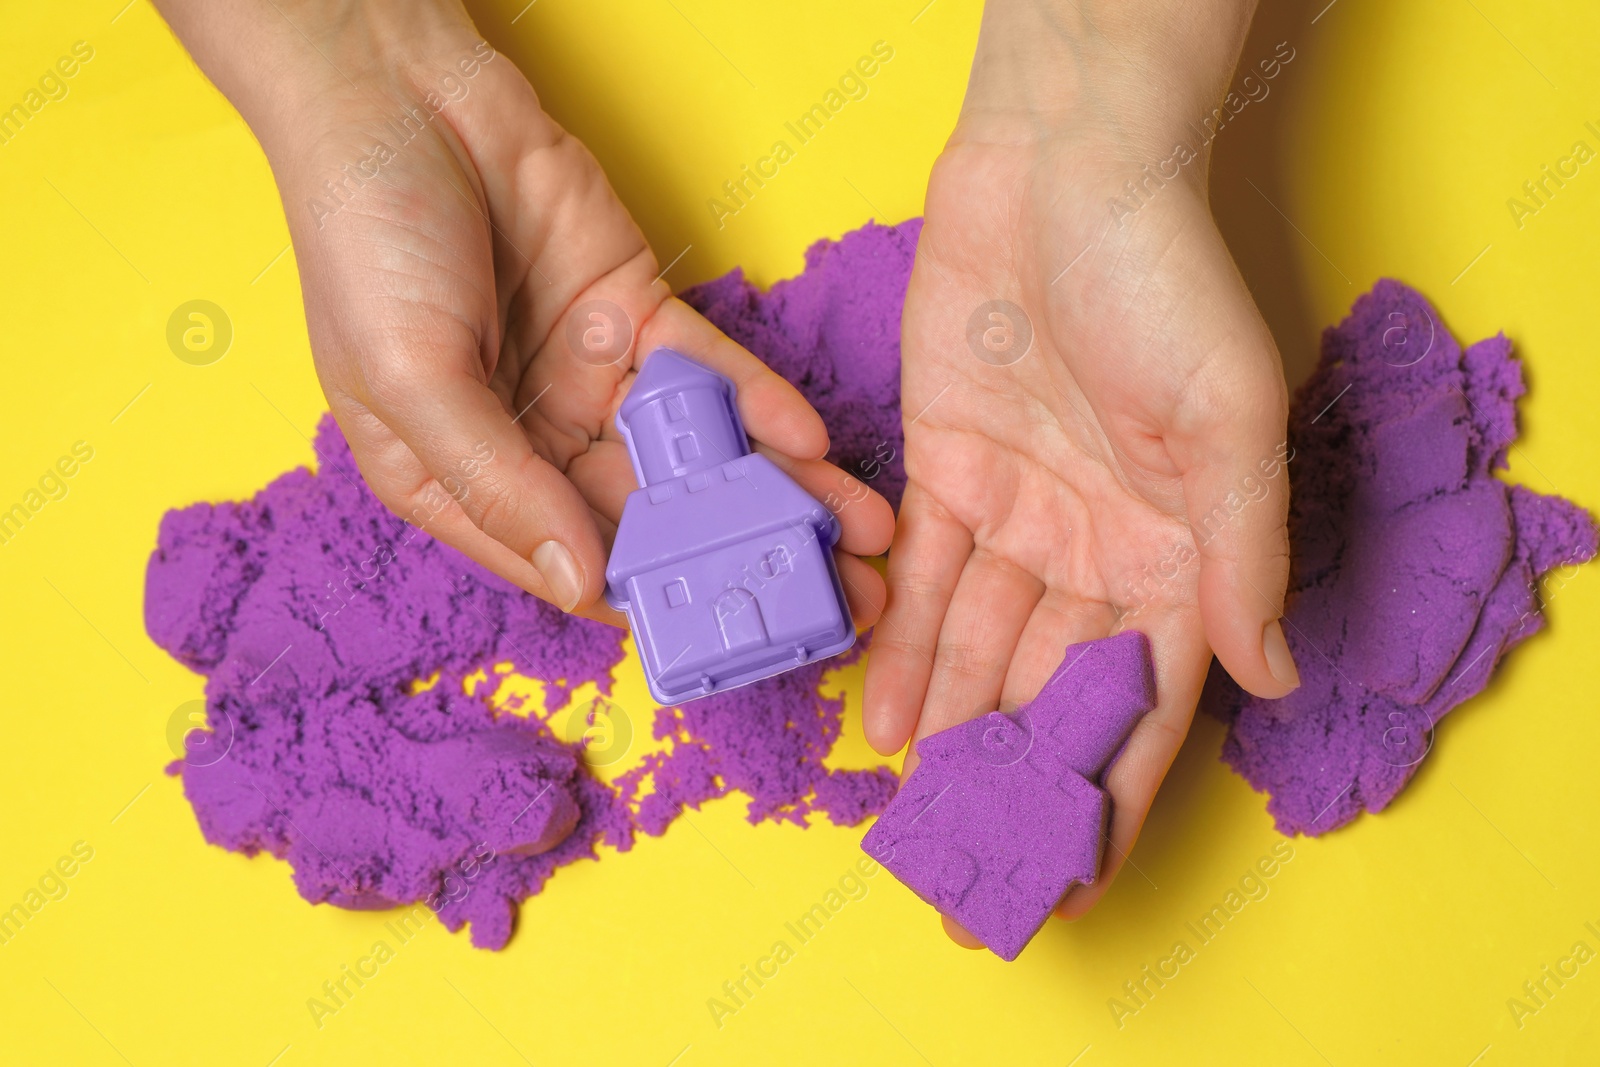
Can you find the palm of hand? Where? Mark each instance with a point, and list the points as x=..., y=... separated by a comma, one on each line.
x=478, y=310
x=1052, y=478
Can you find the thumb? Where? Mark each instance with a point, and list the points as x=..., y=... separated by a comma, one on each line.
x=1235, y=457
x=466, y=440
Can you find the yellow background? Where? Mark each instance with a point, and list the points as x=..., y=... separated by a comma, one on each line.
x=1392, y=142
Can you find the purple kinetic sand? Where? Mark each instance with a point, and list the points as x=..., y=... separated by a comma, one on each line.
x=1006, y=812
x=314, y=614
x=722, y=562
x=312, y=611
x=834, y=332
x=1414, y=569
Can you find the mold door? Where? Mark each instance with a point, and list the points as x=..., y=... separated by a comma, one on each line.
x=739, y=620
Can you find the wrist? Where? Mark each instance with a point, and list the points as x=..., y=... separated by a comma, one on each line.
x=1132, y=74
x=283, y=62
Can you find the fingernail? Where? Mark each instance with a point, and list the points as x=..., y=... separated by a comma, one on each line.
x=1280, y=661
x=558, y=568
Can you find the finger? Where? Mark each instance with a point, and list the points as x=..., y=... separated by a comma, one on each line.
x=991, y=604
x=400, y=482
x=585, y=355
x=461, y=432
x=863, y=589
x=1236, y=488
x=866, y=521
x=1181, y=659
x=773, y=411
x=604, y=475
x=572, y=389
x=960, y=934
x=929, y=549
x=1058, y=620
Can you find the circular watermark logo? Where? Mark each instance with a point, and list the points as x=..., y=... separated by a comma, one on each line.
x=999, y=333
x=599, y=333
x=1408, y=337
x=1000, y=739
x=1407, y=736
x=199, y=332
x=604, y=728
x=191, y=741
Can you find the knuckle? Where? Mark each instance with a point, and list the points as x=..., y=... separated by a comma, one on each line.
x=888, y=642
x=963, y=660
x=422, y=506
x=1157, y=731
x=391, y=381
x=492, y=506
x=916, y=587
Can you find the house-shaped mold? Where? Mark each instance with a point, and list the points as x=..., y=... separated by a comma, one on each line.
x=722, y=563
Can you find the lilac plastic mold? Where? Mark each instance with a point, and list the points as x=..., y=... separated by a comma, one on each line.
x=723, y=564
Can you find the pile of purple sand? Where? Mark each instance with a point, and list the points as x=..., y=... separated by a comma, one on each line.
x=313, y=613
x=1414, y=569
x=834, y=332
